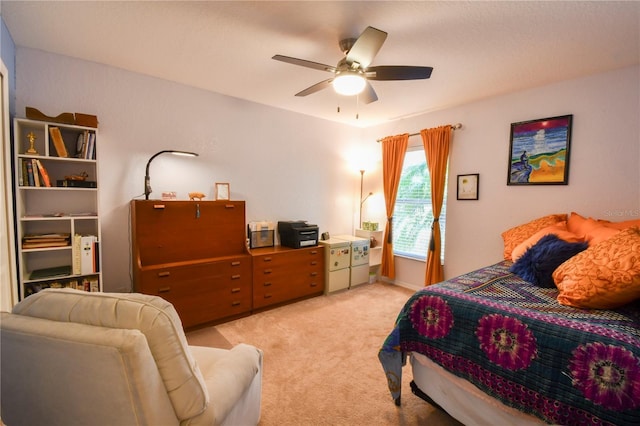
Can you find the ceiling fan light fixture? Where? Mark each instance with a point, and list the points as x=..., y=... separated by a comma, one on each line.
x=349, y=83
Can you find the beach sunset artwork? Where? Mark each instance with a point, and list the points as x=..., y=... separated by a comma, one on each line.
x=539, y=151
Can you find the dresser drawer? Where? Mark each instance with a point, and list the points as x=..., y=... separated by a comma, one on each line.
x=203, y=292
x=285, y=275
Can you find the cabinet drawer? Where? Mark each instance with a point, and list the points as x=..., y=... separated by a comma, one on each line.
x=203, y=292
x=287, y=275
x=290, y=262
x=268, y=293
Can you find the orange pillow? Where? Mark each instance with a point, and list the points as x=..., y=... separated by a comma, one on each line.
x=516, y=235
x=558, y=229
x=580, y=225
x=604, y=276
x=599, y=234
x=624, y=225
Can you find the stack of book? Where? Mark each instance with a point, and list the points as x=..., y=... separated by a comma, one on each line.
x=86, y=283
x=86, y=145
x=86, y=254
x=33, y=241
x=33, y=173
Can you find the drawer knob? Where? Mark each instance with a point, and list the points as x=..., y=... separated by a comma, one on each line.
x=314, y=263
x=235, y=263
x=235, y=290
x=312, y=252
x=267, y=296
x=314, y=284
x=164, y=274
x=267, y=259
x=266, y=284
x=267, y=271
x=313, y=274
x=235, y=277
x=236, y=303
x=164, y=289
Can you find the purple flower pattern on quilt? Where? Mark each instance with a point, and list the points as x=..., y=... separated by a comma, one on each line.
x=607, y=375
x=431, y=317
x=506, y=341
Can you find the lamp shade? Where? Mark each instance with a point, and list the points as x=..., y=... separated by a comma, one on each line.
x=349, y=83
x=147, y=179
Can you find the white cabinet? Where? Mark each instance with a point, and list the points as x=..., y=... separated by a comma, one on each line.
x=58, y=227
x=375, y=249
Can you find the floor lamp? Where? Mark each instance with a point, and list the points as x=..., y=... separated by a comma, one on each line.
x=361, y=199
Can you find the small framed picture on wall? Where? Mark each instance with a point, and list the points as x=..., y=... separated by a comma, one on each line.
x=222, y=191
x=468, y=186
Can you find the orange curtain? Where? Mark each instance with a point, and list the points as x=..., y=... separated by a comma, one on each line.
x=393, y=151
x=436, y=148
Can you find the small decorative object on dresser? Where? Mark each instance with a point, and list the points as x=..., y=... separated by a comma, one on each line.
x=196, y=196
x=222, y=191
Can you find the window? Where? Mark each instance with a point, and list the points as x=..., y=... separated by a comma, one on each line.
x=413, y=215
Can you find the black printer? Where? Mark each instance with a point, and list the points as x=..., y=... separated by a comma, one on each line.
x=297, y=234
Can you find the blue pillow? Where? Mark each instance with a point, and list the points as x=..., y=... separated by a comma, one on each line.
x=537, y=264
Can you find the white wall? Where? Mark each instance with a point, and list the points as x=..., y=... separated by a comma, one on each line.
x=604, y=172
x=286, y=166
x=291, y=166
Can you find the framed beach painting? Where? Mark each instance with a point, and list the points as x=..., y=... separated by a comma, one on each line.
x=539, y=151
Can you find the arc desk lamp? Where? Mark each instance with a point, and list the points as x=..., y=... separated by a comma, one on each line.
x=147, y=179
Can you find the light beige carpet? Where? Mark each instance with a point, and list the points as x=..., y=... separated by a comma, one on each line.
x=321, y=360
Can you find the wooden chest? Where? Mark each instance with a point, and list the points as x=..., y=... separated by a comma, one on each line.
x=193, y=254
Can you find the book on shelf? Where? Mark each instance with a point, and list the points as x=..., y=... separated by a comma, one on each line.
x=85, y=145
x=69, y=183
x=46, y=180
x=91, y=148
x=32, y=241
x=34, y=168
x=58, y=142
x=77, y=258
x=53, y=272
x=29, y=166
x=85, y=284
x=88, y=251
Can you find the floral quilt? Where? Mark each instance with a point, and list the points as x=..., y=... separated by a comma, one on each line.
x=515, y=342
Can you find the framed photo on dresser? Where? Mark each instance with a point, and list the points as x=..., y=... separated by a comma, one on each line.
x=222, y=191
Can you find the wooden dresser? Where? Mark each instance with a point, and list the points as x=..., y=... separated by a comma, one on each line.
x=193, y=254
x=283, y=275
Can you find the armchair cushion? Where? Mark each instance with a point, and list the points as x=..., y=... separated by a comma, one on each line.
x=229, y=375
x=45, y=376
x=154, y=317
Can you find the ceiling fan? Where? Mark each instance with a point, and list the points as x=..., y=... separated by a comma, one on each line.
x=353, y=71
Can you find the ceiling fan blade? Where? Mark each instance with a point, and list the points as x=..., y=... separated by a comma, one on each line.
x=398, y=72
x=315, y=88
x=366, y=47
x=305, y=63
x=368, y=95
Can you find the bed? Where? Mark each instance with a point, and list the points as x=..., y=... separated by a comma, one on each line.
x=491, y=347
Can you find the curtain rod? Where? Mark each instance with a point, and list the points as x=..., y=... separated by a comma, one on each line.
x=456, y=126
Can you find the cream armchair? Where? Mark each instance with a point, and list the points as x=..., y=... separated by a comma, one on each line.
x=70, y=357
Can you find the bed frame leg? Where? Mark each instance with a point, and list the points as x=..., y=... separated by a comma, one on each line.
x=418, y=392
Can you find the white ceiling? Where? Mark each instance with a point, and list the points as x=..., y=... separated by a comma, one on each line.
x=478, y=49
